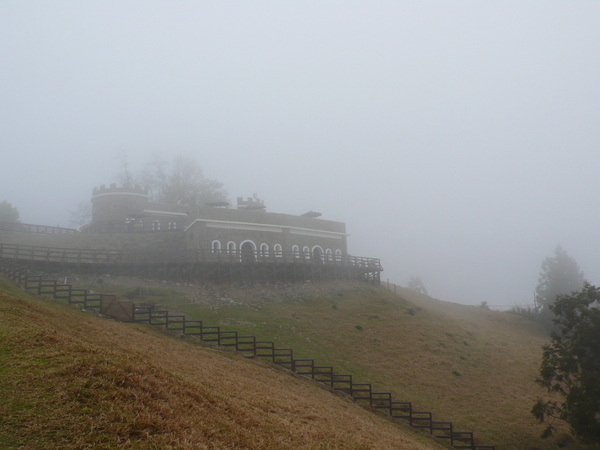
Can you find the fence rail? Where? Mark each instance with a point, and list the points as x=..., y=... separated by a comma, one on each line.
x=34, y=229
x=128, y=311
x=202, y=265
x=95, y=256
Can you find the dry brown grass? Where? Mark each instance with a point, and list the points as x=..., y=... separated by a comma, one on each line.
x=473, y=366
x=72, y=381
x=468, y=365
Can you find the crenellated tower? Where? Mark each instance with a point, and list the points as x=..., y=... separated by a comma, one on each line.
x=118, y=202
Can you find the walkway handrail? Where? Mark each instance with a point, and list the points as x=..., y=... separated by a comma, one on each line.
x=96, y=256
x=34, y=229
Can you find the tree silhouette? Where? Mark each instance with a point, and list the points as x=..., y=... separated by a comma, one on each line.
x=8, y=213
x=416, y=285
x=571, y=365
x=181, y=182
x=560, y=275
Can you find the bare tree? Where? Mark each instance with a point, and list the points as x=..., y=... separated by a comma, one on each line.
x=416, y=285
x=125, y=175
x=82, y=214
x=181, y=182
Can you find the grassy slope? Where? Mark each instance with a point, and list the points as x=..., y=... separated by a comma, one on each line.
x=70, y=380
x=472, y=366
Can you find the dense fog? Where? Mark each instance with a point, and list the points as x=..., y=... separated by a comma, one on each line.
x=457, y=140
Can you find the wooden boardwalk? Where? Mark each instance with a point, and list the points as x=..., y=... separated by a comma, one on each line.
x=203, y=266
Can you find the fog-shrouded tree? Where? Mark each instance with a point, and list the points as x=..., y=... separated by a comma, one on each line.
x=571, y=365
x=82, y=214
x=8, y=213
x=560, y=275
x=125, y=175
x=180, y=182
x=415, y=284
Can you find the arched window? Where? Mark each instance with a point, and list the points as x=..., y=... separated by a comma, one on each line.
x=264, y=250
x=231, y=248
x=329, y=254
x=172, y=225
x=277, y=250
x=156, y=225
x=216, y=246
x=296, y=251
x=338, y=255
x=306, y=252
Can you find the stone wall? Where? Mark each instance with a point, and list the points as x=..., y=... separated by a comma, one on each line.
x=104, y=241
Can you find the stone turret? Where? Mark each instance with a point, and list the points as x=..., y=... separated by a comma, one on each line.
x=118, y=202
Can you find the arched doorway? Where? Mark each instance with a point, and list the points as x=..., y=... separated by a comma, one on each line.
x=317, y=255
x=248, y=250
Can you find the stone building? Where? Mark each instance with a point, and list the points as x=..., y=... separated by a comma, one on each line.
x=246, y=230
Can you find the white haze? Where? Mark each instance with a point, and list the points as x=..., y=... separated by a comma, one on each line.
x=457, y=140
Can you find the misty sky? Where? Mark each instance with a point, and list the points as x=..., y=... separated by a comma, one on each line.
x=457, y=140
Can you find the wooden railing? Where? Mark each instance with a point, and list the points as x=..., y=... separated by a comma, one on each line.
x=93, y=256
x=34, y=229
x=247, y=345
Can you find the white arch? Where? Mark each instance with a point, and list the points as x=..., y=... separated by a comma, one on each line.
x=242, y=255
x=172, y=225
x=296, y=251
x=231, y=249
x=156, y=225
x=306, y=252
x=329, y=254
x=248, y=240
x=338, y=255
x=264, y=250
x=216, y=246
x=277, y=250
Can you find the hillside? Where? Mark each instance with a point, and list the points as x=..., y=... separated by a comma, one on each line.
x=70, y=380
x=472, y=366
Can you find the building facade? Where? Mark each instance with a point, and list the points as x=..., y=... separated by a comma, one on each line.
x=246, y=230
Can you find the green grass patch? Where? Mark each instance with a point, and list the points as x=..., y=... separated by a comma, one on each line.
x=472, y=366
x=70, y=380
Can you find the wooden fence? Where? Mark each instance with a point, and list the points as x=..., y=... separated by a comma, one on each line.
x=34, y=229
x=128, y=311
x=202, y=265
